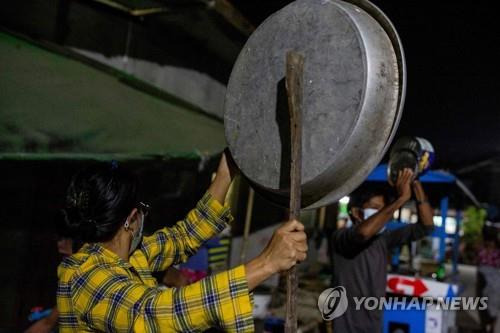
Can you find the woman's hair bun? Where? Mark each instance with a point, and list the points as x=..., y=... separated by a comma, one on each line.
x=78, y=199
x=78, y=225
x=98, y=201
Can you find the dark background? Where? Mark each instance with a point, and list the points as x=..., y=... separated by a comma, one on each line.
x=452, y=58
x=451, y=52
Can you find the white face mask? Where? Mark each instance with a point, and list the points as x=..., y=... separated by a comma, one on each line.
x=137, y=236
x=369, y=212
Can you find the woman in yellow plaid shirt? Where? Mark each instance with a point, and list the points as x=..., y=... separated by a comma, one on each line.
x=107, y=285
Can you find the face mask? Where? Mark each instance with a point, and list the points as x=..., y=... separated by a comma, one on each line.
x=369, y=212
x=137, y=236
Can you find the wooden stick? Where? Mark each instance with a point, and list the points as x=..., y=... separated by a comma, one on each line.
x=248, y=221
x=294, y=73
x=233, y=16
x=321, y=218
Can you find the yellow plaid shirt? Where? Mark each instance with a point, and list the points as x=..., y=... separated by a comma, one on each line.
x=98, y=291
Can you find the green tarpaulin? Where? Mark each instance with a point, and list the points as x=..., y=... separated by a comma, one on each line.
x=54, y=106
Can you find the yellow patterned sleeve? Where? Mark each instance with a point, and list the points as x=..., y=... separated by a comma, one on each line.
x=169, y=246
x=110, y=302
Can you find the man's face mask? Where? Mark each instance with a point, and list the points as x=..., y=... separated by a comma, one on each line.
x=369, y=212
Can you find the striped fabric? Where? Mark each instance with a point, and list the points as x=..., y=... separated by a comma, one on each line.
x=98, y=291
x=218, y=254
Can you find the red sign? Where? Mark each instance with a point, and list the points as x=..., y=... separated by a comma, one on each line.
x=396, y=283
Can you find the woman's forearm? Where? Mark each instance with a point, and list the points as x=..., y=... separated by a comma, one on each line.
x=257, y=271
x=219, y=187
x=287, y=247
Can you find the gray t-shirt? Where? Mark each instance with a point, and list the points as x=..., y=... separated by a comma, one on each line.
x=361, y=268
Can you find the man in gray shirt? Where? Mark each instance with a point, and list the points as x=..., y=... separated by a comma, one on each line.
x=360, y=253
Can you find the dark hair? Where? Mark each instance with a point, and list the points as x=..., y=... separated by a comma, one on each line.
x=363, y=194
x=98, y=201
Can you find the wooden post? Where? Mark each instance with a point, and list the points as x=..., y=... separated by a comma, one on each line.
x=248, y=221
x=294, y=78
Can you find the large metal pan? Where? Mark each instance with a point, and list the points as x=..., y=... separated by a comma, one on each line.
x=354, y=88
